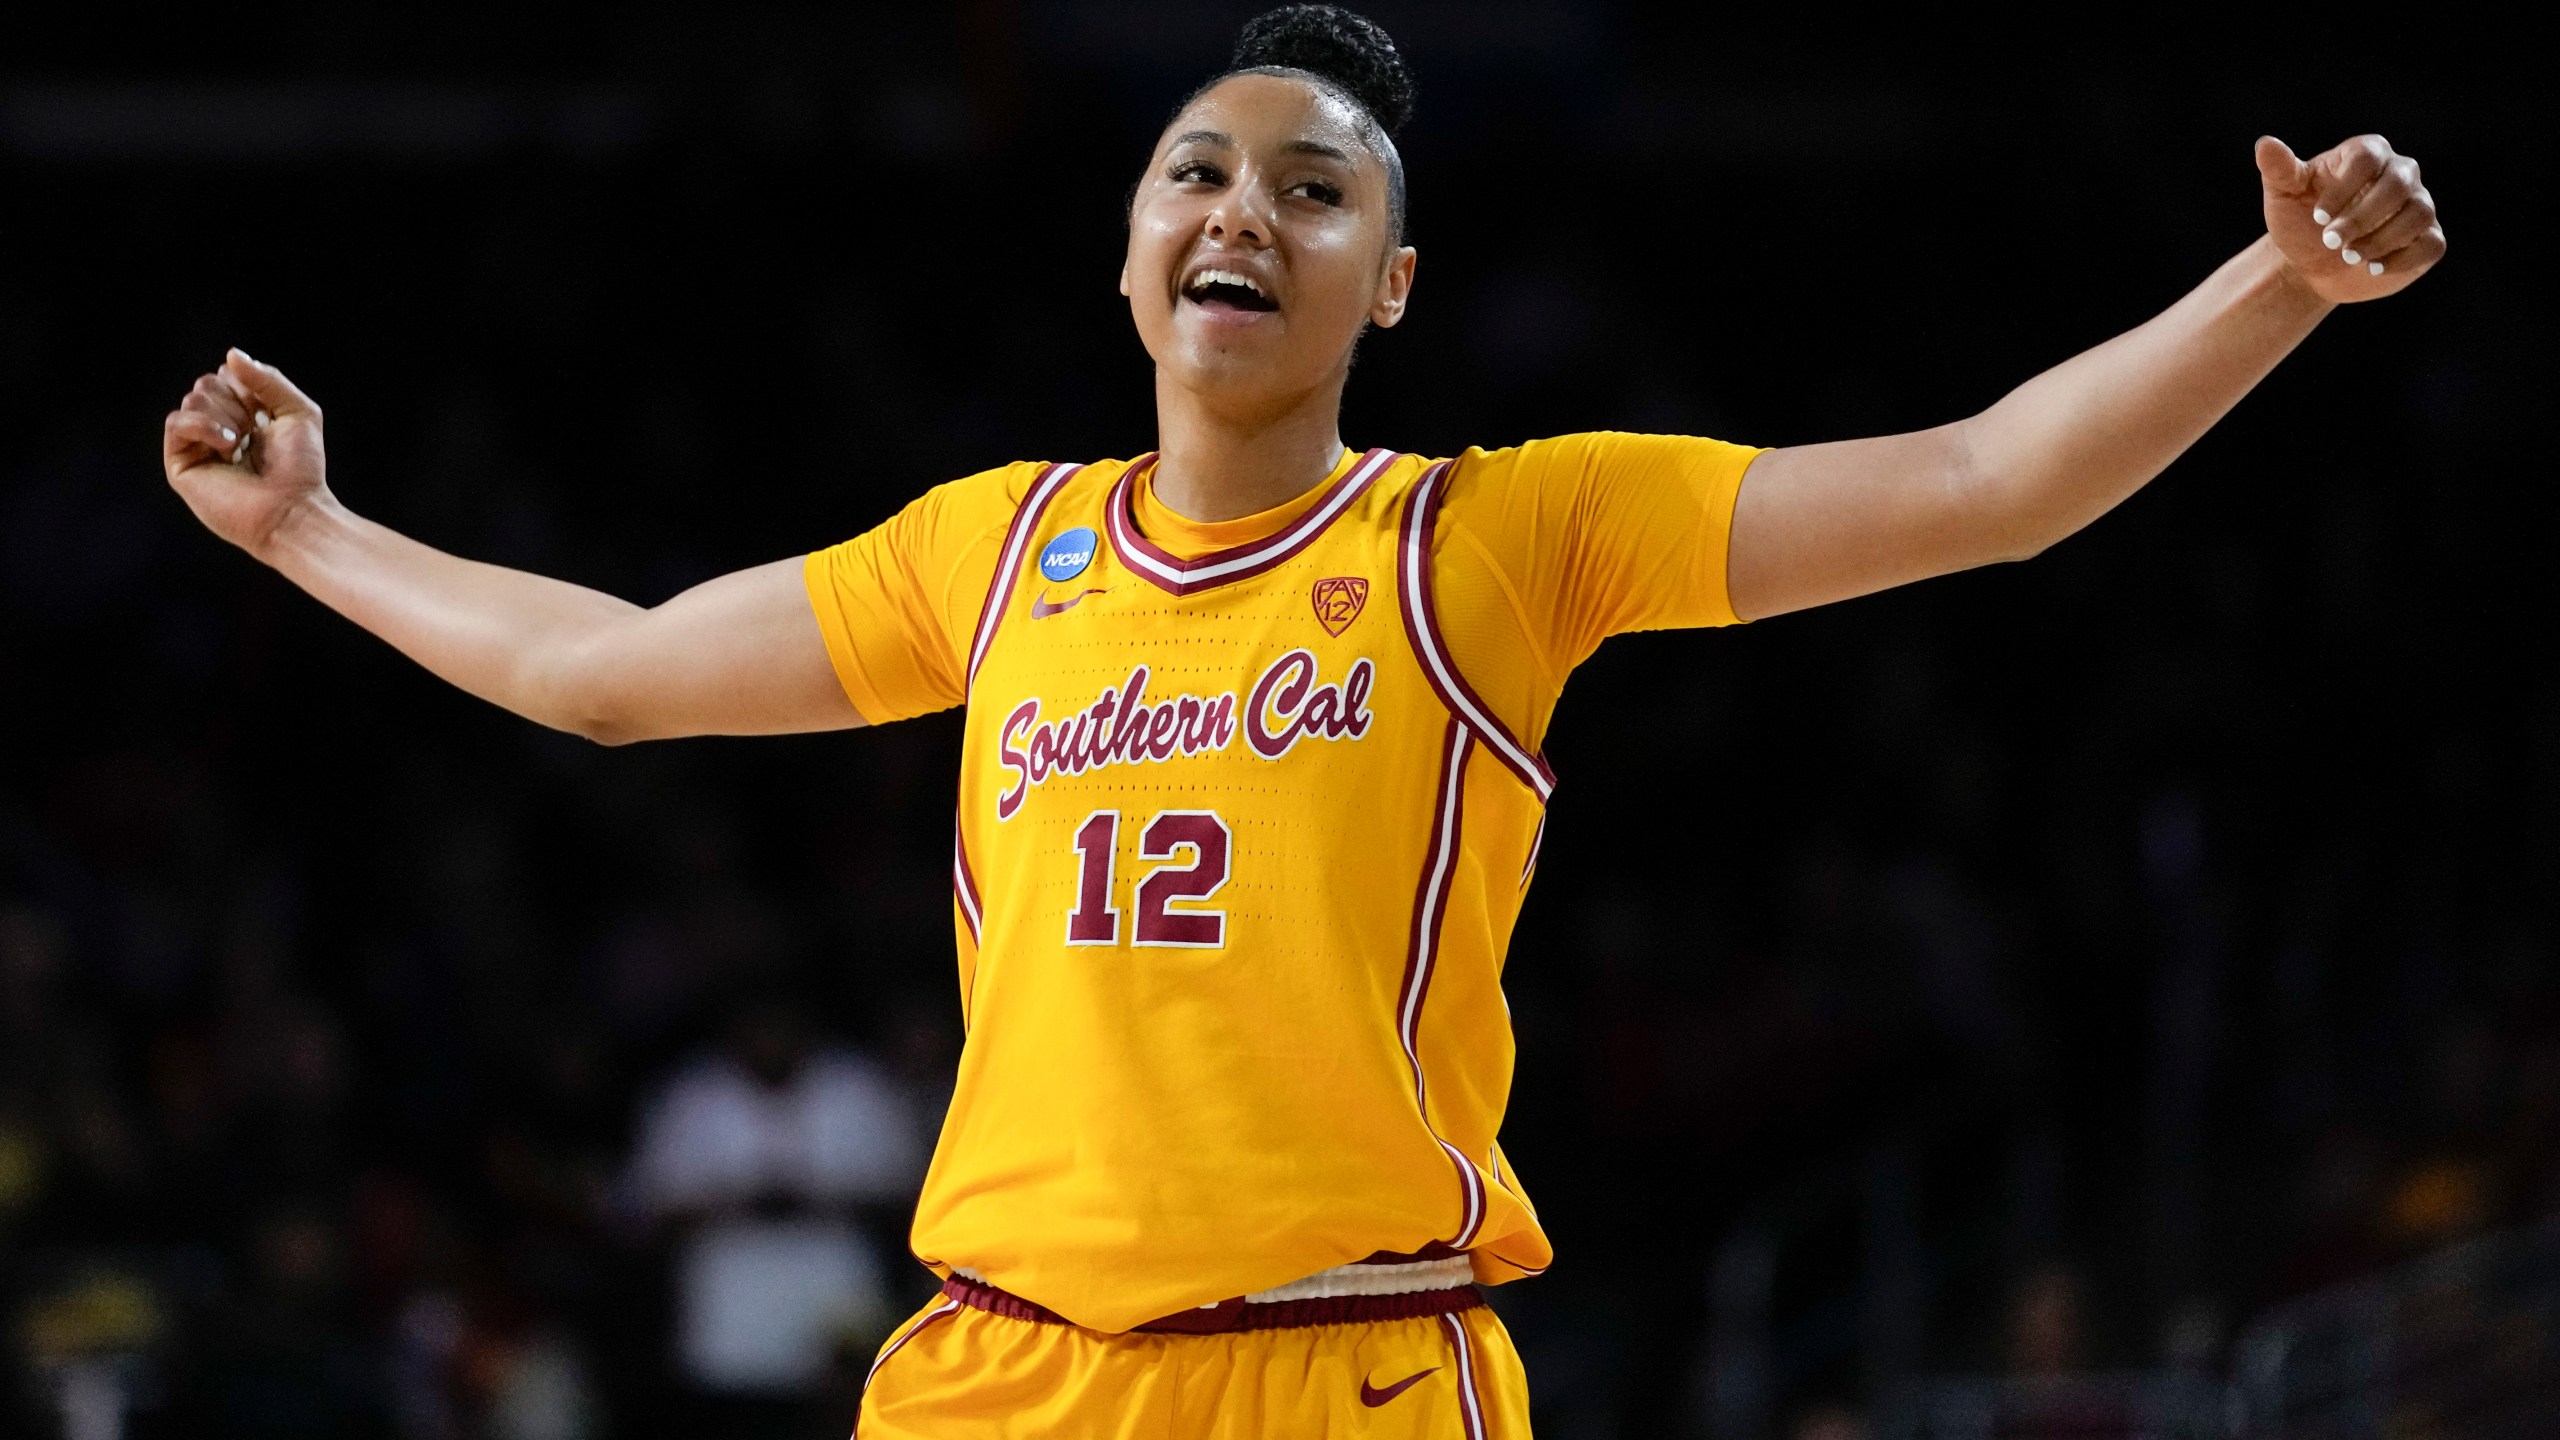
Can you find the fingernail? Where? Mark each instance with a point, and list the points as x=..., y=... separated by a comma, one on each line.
x=2319, y=216
x=2332, y=239
x=2351, y=257
x=263, y=417
x=230, y=434
x=2373, y=268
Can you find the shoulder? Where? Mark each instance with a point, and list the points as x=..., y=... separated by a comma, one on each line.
x=983, y=506
x=1514, y=485
x=1593, y=455
x=975, y=505
x=1547, y=491
x=958, y=530
x=958, y=525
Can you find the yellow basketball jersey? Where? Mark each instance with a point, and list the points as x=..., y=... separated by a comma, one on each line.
x=1238, y=857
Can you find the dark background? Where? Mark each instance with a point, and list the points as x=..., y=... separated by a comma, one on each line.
x=2169, y=921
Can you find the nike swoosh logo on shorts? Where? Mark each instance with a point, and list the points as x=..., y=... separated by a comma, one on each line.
x=1041, y=609
x=1373, y=1397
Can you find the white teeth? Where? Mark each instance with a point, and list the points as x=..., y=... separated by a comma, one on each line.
x=1224, y=277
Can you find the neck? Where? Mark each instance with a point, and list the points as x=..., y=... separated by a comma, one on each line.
x=1215, y=463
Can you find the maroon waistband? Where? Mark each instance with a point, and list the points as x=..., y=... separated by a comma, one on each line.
x=1228, y=1316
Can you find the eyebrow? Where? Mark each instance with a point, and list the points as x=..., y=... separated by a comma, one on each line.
x=1294, y=147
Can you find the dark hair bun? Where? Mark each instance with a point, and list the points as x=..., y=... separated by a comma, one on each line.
x=1345, y=50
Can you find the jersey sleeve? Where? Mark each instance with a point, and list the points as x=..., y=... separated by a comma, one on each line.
x=898, y=604
x=1546, y=549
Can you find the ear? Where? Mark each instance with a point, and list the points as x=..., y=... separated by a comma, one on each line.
x=1394, y=287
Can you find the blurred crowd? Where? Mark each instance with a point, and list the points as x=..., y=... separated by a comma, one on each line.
x=248, y=1214
x=2036, y=973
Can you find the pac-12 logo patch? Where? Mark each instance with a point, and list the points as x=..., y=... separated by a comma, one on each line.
x=1338, y=601
x=1066, y=557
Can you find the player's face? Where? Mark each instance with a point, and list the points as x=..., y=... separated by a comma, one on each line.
x=1258, y=241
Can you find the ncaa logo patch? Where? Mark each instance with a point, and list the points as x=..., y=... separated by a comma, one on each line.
x=1066, y=557
x=1338, y=600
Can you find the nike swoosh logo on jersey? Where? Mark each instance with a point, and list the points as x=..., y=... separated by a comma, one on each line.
x=1373, y=1397
x=1041, y=609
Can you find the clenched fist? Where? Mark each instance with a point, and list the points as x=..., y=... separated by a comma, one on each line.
x=243, y=449
x=2353, y=222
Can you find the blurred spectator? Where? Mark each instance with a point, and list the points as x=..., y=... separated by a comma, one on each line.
x=2047, y=1322
x=450, y=1379
x=283, y=1361
x=762, y=1155
x=90, y=1339
x=1831, y=1422
x=2452, y=1186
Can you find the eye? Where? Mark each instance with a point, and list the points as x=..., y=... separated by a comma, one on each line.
x=1323, y=192
x=1196, y=172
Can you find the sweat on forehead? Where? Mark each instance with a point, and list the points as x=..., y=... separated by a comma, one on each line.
x=1334, y=121
x=1321, y=112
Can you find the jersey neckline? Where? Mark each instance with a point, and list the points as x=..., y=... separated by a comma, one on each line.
x=1176, y=575
x=1178, y=534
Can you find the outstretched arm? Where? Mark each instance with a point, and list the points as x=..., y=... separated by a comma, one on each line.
x=740, y=655
x=1819, y=523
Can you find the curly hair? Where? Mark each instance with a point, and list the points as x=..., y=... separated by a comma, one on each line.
x=1348, y=53
x=1345, y=55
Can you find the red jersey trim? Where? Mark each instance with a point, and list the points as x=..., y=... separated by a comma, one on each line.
x=1430, y=906
x=964, y=886
x=942, y=1311
x=1436, y=1250
x=1017, y=536
x=1177, y=576
x=1468, y=1402
x=1229, y=1316
x=1422, y=626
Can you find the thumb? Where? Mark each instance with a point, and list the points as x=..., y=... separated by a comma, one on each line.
x=276, y=395
x=2283, y=170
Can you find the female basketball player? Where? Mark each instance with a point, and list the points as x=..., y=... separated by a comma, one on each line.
x=1252, y=785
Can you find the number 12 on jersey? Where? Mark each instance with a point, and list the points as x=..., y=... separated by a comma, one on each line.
x=1193, y=843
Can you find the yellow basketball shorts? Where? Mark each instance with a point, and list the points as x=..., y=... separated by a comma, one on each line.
x=959, y=1370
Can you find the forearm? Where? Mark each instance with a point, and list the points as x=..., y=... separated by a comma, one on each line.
x=511, y=638
x=2072, y=443
x=1819, y=523
x=738, y=655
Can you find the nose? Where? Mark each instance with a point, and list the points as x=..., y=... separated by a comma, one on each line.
x=1242, y=216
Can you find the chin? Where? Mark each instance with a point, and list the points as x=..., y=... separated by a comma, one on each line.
x=1231, y=371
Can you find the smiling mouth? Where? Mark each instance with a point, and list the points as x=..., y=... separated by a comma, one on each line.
x=1227, y=290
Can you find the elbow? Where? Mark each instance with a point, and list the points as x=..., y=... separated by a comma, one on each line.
x=2005, y=522
x=574, y=691
x=1981, y=554
x=2005, y=546
x=2015, y=549
x=583, y=716
x=602, y=731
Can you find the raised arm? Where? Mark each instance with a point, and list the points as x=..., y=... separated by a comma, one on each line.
x=740, y=655
x=1819, y=523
